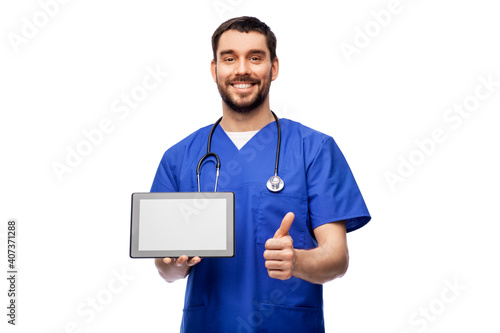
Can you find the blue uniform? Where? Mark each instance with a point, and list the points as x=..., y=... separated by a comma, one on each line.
x=236, y=294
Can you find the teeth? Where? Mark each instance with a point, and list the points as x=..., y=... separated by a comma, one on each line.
x=242, y=86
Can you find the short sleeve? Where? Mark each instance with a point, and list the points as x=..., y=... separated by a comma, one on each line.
x=164, y=180
x=332, y=190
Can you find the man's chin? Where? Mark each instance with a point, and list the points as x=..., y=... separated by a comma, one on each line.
x=243, y=107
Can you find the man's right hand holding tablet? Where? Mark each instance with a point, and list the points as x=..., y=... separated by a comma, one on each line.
x=172, y=269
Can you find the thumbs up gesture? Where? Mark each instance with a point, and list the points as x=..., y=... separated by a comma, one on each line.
x=280, y=253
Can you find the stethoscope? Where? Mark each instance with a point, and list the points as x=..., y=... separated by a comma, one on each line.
x=274, y=184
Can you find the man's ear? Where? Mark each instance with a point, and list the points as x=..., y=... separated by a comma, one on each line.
x=213, y=69
x=275, y=68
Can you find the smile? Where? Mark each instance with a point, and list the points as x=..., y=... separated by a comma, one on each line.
x=243, y=87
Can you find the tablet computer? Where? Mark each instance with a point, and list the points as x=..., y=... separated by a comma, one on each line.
x=171, y=224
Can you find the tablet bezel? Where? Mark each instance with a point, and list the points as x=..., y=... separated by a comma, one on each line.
x=134, y=224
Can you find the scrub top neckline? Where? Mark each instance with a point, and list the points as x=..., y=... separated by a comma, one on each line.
x=240, y=139
x=219, y=129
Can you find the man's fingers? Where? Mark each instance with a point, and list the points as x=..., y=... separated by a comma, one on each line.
x=279, y=243
x=278, y=255
x=279, y=265
x=167, y=260
x=182, y=260
x=286, y=223
x=279, y=274
x=193, y=261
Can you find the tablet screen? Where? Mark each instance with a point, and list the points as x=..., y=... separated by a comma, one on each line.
x=180, y=223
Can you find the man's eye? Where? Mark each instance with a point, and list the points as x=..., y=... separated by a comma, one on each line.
x=255, y=58
x=229, y=59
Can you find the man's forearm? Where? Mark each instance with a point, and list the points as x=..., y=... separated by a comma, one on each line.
x=319, y=266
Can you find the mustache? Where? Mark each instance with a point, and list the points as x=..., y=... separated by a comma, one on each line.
x=245, y=78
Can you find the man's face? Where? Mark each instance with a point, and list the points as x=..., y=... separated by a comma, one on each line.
x=243, y=70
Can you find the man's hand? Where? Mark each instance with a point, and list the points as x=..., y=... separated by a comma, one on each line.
x=280, y=253
x=182, y=260
x=175, y=269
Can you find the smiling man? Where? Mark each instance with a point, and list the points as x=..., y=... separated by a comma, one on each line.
x=289, y=240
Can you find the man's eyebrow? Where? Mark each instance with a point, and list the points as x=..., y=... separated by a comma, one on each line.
x=254, y=51
x=224, y=52
x=257, y=51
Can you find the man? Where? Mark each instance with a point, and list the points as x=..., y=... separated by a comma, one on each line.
x=287, y=243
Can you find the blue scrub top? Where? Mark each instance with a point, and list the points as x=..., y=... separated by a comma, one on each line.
x=236, y=294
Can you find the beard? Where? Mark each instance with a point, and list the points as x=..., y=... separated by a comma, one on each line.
x=244, y=104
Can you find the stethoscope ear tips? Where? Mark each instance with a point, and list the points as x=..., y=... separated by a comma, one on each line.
x=275, y=184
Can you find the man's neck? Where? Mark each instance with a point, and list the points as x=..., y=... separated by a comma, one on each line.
x=254, y=120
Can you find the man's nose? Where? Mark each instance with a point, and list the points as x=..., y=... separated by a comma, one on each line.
x=243, y=67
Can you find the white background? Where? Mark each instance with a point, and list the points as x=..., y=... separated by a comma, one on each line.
x=438, y=227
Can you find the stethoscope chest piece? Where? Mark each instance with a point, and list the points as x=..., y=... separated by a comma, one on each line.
x=275, y=184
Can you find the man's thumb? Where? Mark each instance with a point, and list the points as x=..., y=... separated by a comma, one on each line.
x=286, y=223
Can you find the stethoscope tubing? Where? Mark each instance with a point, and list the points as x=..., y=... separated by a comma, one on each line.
x=209, y=153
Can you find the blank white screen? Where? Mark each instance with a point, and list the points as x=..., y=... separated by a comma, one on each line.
x=182, y=224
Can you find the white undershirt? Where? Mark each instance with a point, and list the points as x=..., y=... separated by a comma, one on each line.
x=241, y=138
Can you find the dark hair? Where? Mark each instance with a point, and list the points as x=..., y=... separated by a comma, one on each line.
x=245, y=24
